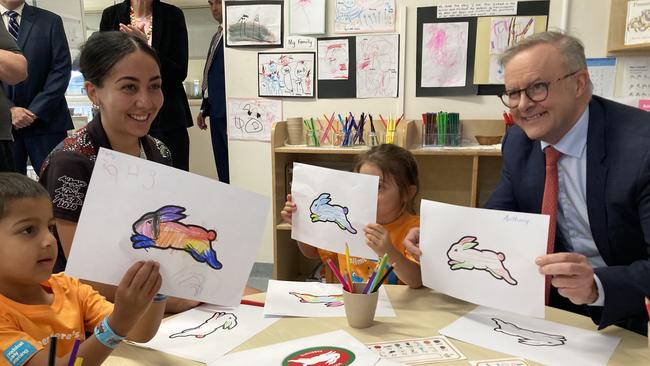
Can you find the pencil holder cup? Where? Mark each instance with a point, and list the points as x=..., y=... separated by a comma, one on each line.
x=311, y=137
x=373, y=139
x=390, y=136
x=337, y=138
x=359, y=307
x=294, y=130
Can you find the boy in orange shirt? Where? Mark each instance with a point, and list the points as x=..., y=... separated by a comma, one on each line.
x=35, y=305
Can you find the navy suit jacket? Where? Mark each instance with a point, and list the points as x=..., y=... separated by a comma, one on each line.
x=43, y=42
x=618, y=203
x=169, y=39
x=214, y=105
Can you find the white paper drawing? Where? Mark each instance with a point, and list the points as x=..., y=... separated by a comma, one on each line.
x=333, y=59
x=252, y=118
x=314, y=299
x=444, y=54
x=539, y=340
x=377, y=66
x=207, y=332
x=333, y=206
x=364, y=16
x=307, y=17
x=637, y=25
x=332, y=348
x=133, y=211
x=484, y=256
x=506, y=32
x=286, y=74
x=253, y=24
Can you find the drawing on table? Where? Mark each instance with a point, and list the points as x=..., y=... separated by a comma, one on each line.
x=322, y=211
x=527, y=336
x=163, y=229
x=444, y=54
x=463, y=255
x=330, y=301
x=218, y=320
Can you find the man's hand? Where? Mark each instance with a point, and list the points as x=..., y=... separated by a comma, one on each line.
x=200, y=121
x=22, y=117
x=572, y=275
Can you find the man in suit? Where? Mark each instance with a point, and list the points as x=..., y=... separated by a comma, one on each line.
x=39, y=111
x=598, y=256
x=214, y=97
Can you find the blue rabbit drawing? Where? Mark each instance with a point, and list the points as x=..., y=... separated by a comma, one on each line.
x=322, y=210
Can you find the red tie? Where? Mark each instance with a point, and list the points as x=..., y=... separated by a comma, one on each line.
x=549, y=204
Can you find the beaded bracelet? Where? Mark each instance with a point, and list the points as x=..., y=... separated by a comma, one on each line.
x=106, y=336
x=159, y=298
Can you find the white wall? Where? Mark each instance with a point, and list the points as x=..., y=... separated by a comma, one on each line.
x=250, y=162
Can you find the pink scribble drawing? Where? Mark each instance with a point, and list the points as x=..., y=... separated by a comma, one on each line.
x=377, y=66
x=444, y=54
x=330, y=301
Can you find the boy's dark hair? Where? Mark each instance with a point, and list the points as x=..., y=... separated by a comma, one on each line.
x=14, y=186
x=104, y=49
x=398, y=163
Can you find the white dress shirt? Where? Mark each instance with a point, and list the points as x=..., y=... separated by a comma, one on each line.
x=5, y=17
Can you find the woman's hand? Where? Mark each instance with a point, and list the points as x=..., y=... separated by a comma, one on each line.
x=377, y=239
x=133, y=31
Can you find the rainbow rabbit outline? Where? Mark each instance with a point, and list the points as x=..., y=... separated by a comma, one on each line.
x=163, y=229
x=463, y=255
x=330, y=301
x=322, y=211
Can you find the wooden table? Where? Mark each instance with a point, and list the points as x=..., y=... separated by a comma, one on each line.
x=420, y=313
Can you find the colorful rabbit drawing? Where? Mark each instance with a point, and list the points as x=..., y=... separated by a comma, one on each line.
x=329, y=300
x=527, y=336
x=322, y=210
x=218, y=320
x=462, y=255
x=162, y=229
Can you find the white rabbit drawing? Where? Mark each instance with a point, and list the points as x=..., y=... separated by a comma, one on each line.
x=527, y=336
x=329, y=358
x=322, y=210
x=218, y=320
x=462, y=255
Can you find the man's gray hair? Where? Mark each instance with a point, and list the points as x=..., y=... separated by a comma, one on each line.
x=570, y=47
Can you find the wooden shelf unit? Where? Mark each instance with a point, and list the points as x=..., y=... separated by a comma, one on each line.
x=616, y=35
x=462, y=176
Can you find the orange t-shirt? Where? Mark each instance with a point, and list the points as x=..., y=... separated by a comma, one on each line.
x=26, y=329
x=363, y=268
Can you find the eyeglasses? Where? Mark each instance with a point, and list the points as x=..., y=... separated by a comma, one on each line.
x=537, y=92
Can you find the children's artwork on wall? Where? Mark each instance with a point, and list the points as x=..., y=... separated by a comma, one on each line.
x=538, y=340
x=307, y=16
x=252, y=118
x=377, y=66
x=333, y=206
x=253, y=23
x=286, y=74
x=444, y=54
x=364, y=16
x=332, y=348
x=506, y=32
x=136, y=209
x=477, y=255
x=333, y=59
x=207, y=332
x=314, y=299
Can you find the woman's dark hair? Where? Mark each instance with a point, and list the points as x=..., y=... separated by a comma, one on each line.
x=395, y=163
x=104, y=49
x=14, y=186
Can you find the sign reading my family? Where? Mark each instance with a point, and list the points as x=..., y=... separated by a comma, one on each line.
x=136, y=209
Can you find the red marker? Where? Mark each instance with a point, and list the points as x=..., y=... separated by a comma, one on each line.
x=252, y=303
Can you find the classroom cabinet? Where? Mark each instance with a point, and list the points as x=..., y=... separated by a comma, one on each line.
x=462, y=176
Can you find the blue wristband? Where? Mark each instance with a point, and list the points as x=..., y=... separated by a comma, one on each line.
x=106, y=336
x=159, y=298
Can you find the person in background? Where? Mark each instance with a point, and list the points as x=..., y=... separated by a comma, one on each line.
x=584, y=161
x=213, y=105
x=122, y=77
x=161, y=26
x=398, y=186
x=13, y=69
x=39, y=111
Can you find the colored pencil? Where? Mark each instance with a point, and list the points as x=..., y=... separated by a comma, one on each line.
x=347, y=263
x=380, y=267
x=335, y=272
x=79, y=361
x=647, y=306
x=383, y=278
x=252, y=303
x=73, y=354
x=52, y=355
x=370, y=279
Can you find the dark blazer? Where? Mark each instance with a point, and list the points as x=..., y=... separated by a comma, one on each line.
x=214, y=105
x=43, y=42
x=169, y=39
x=618, y=203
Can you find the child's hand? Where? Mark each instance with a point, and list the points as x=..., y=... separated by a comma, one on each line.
x=288, y=210
x=378, y=239
x=134, y=294
x=412, y=243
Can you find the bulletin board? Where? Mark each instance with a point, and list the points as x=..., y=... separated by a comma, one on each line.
x=478, y=80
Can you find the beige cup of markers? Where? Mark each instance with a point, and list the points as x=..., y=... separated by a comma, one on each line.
x=359, y=307
x=294, y=130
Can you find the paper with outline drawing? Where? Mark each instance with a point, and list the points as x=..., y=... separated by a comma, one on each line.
x=444, y=54
x=136, y=209
x=364, y=16
x=333, y=206
x=333, y=59
x=197, y=334
x=484, y=256
x=307, y=16
x=535, y=339
x=252, y=118
x=314, y=299
x=377, y=66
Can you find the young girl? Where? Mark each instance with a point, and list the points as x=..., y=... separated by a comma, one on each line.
x=398, y=186
x=35, y=305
